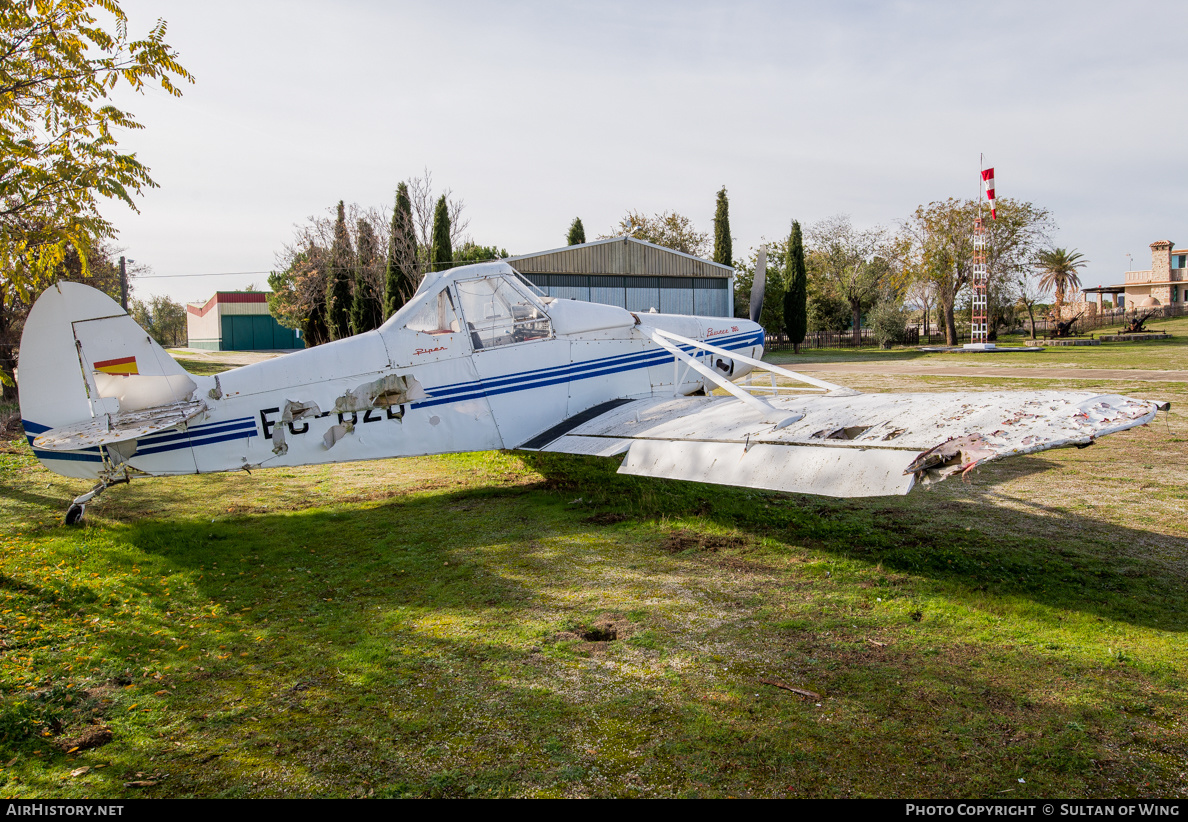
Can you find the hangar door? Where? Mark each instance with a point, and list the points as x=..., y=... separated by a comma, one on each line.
x=254, y=332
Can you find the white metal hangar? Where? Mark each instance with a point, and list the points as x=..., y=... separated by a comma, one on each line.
x=633, y=274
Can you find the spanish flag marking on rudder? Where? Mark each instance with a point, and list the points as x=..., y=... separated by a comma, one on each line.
x=124, y=365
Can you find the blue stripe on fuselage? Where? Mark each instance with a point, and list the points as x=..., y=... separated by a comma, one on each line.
x=456, y=392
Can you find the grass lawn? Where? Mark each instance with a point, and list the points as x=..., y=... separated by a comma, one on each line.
x=498, y=625
x=1157, y=354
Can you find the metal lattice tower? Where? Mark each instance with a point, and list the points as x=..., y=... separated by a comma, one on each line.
x=979, y=326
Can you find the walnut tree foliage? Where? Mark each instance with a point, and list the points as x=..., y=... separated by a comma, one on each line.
x=668, y=229
x=58, y=152
x=162, y=318
x=937, y=246
x=59, y=61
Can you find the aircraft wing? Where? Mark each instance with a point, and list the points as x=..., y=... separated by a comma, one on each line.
x=841, y=444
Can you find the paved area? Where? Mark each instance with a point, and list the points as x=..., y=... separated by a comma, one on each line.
x=1000, y=371
x=229, y=357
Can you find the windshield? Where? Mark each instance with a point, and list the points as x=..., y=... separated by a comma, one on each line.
x=497, y=313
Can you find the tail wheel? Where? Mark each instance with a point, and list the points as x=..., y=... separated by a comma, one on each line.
x=74, y=514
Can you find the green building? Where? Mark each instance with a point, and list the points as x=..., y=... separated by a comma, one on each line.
x=237, y=321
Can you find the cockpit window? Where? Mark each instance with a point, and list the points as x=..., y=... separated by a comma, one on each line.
x=436, y=316
x=498, y=314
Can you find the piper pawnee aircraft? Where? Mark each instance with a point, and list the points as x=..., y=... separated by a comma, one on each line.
x=479, y=360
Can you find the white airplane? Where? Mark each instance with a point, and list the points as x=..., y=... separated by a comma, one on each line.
x=480, y=360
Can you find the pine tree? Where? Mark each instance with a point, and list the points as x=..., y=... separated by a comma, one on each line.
x=442, y=255
x=366, y=307
x=577, y=232
x=338, y=292
x=796, y=297
x=723, y=253
x=400, y=282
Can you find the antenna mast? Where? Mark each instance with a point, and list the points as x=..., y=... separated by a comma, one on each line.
x=979, y=327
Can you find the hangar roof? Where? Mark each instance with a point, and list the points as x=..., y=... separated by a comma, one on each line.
x=618, y=255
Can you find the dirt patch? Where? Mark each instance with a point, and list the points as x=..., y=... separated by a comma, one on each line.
x=597, y=634
x=93, y=736
x=606, y=518
x=685, y=540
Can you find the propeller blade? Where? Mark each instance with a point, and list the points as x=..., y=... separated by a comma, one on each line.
x=758, y=286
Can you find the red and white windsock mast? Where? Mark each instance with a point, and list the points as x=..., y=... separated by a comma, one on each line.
x=980, y=321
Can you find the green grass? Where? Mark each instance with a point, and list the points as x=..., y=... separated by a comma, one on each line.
x=1155, y=354
x=413, y=628
x=200, y=367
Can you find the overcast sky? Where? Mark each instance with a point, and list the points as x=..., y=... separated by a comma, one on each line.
x=534, y=113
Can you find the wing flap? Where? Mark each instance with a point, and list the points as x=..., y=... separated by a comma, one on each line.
x=590, y=446
x=806, y=469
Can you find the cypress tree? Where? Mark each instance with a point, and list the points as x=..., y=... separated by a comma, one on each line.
x=400, y=282
x=442, y=255
x=796, y=297
x=577, y=232
x=338, y=292
x=366, y=306
x=723, y=253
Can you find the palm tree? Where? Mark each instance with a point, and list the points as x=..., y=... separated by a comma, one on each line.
x=1059, y=272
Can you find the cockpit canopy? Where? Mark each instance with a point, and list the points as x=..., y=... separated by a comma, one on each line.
x=490, y=302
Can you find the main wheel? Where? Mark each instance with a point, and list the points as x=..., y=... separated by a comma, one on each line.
x=74, y=514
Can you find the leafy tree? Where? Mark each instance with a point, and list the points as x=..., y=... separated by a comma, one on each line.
x=401, y=279
x=162, y=318
x=97, y=266
x=772, y=316
x=723, y=252
x=367, y=309
x=469, y=253
x=298, y=297
x=1058, y=271
x=338, y=293
x=855, y=264
x=670, y=230
x=577, y=232
x=827, y=313
x=888, y=321
x=443, y=256
x=796, y=297
x=58, y=150
x=937, y=244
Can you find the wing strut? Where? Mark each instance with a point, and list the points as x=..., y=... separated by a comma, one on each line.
x=775, y=416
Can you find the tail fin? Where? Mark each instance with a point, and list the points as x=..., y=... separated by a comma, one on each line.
x=85, y=364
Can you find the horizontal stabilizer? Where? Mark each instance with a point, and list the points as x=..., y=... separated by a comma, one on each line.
x=113, y=428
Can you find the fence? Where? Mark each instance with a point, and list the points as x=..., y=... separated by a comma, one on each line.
x=845, y=339
x=1111, y=316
